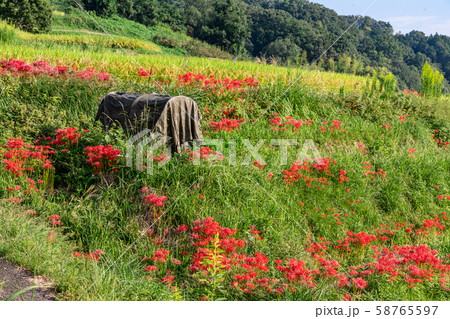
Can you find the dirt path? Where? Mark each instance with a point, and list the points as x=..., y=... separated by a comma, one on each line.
x=16, y=278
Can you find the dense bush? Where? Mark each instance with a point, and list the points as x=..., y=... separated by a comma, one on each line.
x=432, y=81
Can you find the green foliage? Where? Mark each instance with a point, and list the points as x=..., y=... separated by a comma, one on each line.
x=284, y=49
x=383, y=84
x=432, y=81
x=219, y=22
x=105, y=8
x=29, y=15
x=175, y=42
x=7, y=33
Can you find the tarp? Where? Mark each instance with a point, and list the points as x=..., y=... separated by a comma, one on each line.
x=177, y=117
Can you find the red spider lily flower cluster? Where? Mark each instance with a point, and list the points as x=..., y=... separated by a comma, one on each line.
x=361, y=239
x=277, y=123
x=19, y=192
x=259, y=165
x=387, y=126
x=144, y=73
x=42, y=68
x=20, y=157
x=369, y=172
x=413, y=264
x=162, y=158
x=226, y=124
x=321, y=167
x=206, y=154
x=255, y=233
x=102, y=157
x=439, y=142
x=409, y=92
x=152, y=199
x=217, y=86
x=182, y=228
x=336, y=125
x=403, y=119
x=360, y=146
x=56, y=220
x=68, y=136
x=230, y=112
x=94, y=255
x=218, y=250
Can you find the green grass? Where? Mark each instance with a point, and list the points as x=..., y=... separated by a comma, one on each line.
x=237, y=196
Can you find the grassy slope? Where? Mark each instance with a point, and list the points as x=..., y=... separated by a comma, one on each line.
x=95, y=217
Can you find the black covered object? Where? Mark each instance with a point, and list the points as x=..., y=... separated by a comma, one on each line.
x=177, y=117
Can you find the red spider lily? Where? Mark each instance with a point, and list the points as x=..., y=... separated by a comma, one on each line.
x=439, y=142
x=360, y=283
x=206, y=154
x=255, y=232
x=296, y=272
x=94, y=255
x=67, y=136
x=214, y=85
x=258, y=164
x=43, y=69
x=430, y=223
x=153, y=199
x=408, y=92
x=371, y=173
x=277, y=123
x=55, y=219
x=161, y=158
x=150, y=268
x=321, y=168
x=229, y=112
x=168, y=279
x=176, y=261
x=144, y=73
x=182, y=228
x=21, y=157
x=160, y=255
x=102, y=157
x=226, y=125
x=361, y=147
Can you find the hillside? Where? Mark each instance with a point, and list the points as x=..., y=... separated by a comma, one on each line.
x=293, y=32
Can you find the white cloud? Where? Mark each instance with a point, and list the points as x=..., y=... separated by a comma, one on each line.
x=426, y=24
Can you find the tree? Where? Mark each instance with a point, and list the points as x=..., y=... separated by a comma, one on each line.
x=284, y=49
x=105, y=8
x=220, y=22
x=29, y=15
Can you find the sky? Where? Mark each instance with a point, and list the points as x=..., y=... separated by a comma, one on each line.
x=428, y=16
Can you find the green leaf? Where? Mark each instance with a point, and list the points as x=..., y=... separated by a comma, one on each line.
x=20, y=292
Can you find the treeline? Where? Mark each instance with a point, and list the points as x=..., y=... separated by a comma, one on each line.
x=294, y=32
